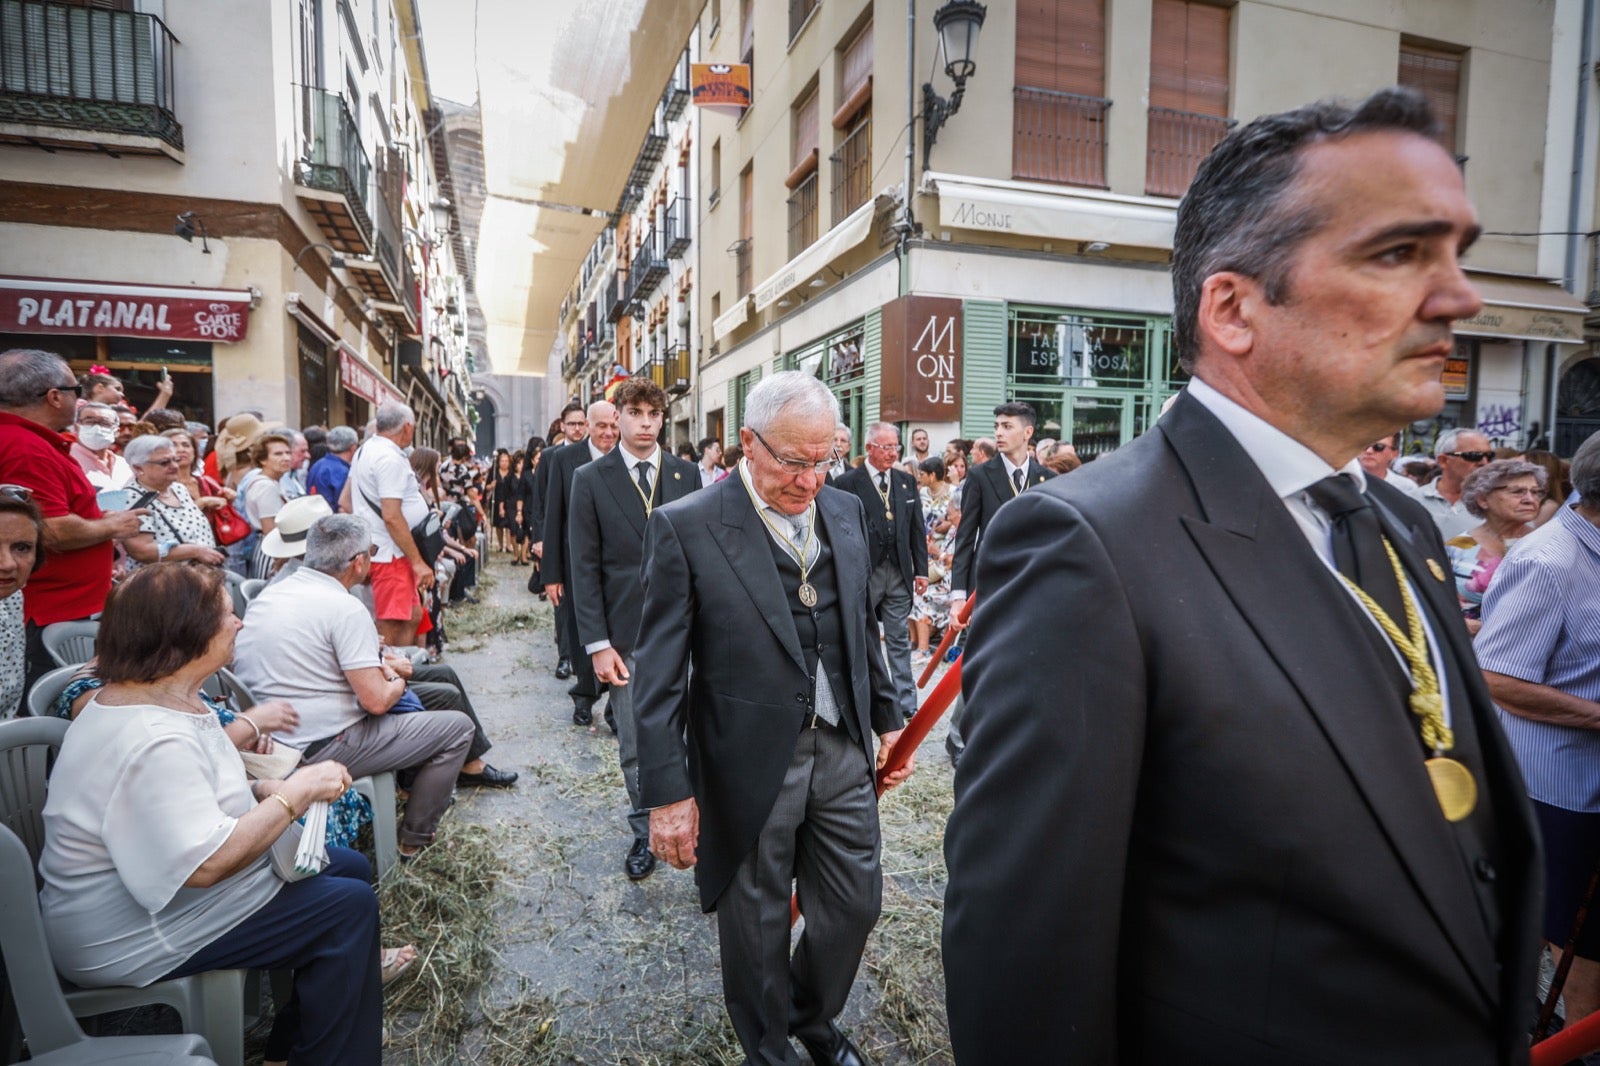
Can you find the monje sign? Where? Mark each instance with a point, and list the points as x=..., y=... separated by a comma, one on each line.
x=921, y=360
x=109, y=309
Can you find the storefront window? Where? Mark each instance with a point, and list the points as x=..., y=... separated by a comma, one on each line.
x=839, y=361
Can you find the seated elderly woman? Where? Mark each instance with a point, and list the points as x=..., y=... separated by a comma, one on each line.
x=1506, y=495
x=21, y=539
x=176, y=528
x=155, y=861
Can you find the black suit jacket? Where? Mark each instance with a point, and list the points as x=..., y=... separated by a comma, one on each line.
x=1201, y=830
x=725, y=731
x=982, y=494
x=605, y=541
x=555, y=564
x=907, y=529
x=540, y=493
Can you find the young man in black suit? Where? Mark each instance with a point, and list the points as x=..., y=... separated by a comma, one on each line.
x=612, y=499
x=1236, y=813
x=757, y=763
x=556, y=567
x=898, y=543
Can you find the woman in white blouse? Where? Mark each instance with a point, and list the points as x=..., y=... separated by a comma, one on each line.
x=155, y=862
x=175, y=528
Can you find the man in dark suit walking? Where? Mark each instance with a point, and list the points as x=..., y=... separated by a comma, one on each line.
x=556, y=564
x=1262, y=813
x=612, y=499
x=574, y=428
x=990, y=484
x=759, y=691
x=898, y=544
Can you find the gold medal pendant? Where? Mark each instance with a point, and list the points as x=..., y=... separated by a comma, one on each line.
x=1453, y=784
x=889, y=515
x=808, y=596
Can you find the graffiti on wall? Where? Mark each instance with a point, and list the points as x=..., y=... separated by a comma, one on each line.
x=1501, y=423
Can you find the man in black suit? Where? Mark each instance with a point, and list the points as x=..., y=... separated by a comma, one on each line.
x=556, y=565
x=612, y=499
x=898, y=543
x=759, y=691
x=574, y=427
x=988, y=485
x=1256, y=808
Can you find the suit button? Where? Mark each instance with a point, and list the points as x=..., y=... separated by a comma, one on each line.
x=799, y=697
x=1485, y=871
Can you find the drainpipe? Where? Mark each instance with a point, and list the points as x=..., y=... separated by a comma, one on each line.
x=1580, y=148
x=907, y=222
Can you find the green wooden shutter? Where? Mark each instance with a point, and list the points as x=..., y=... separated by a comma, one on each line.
x=983, y=384
x=871, y=366
x=732, y=416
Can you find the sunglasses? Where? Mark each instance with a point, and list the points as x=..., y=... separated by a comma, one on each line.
x=1472, y=457
x=76, y=390
x=1380, y=448
x=20, y=493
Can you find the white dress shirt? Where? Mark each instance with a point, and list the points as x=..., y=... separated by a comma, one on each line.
x=633, y=461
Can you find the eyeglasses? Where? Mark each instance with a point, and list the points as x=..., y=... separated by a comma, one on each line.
x=74, y=388
x=1472, y=457
x=796, y=467
x=170, y=461
x=1381, y=447
x=885, y=447
x=20, y=493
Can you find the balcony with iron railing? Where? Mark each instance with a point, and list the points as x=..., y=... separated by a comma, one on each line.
x=1059, y=137
x=852, y=171
x=743, y=264
x=1178, y=141
x=649, y=266
x=614, y=296
x=803, y=215
x=82, y=77
x=382, y=277
x=333, y=173
x=651, y=151
x=676, y=97
x=676, y=227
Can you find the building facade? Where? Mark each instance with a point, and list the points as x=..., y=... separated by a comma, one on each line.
x=294, y=149
x=1031, y=261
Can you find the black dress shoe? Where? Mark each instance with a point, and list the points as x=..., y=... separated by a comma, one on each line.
x=488, y=777
x=582, y=715
x=835, y=1050
x=563, y=669
x=640, y=861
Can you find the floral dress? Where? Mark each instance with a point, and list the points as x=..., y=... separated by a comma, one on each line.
x=934, y=605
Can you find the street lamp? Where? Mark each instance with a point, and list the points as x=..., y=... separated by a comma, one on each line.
x=957, y=22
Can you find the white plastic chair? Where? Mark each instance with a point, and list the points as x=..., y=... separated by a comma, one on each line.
x=70, y=642
x=47, y=688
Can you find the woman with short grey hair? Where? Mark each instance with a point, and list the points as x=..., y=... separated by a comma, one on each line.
x=175, y=528
x=1506, y=495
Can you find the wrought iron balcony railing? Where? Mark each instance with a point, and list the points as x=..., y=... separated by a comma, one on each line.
x=1178, y=141
x=803, y=215
x=676, y=227
x=852, y=171
x=1059, y=137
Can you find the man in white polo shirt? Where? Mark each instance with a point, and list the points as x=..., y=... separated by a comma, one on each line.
x=308, y=641
x=384, y=494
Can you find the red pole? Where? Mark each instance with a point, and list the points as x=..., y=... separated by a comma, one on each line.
x=962, y=614
x=1569, y=1044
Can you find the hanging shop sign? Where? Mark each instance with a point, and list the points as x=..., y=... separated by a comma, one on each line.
x=722, y=87
x=109, y=309
x=363, y=379
x=921, y=360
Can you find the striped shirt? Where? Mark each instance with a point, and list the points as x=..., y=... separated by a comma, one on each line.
x=1541, y=624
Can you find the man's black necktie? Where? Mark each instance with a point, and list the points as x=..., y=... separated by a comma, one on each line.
x=883, y=482
x=643, y=470
x=1358, y=542
x=1016, y=478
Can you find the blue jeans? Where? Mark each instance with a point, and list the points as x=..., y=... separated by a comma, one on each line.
x=325, y=929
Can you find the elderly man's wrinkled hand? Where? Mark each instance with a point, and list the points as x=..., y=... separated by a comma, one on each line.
x=675, y=831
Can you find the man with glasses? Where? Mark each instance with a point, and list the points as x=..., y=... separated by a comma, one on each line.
x=1375, y=460
x=38, y=401
x=759, y=689
x=1460, y=452
x=897, y=544
x=96, y=429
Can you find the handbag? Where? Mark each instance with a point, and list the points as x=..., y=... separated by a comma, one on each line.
x=228, y=526
x=427, y=535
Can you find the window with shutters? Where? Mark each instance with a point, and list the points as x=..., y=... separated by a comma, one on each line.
x=1059, y=108
x=1188, y=91
x=744, y=250
x=1436, y=74
x=799, y=12
x=802, y=179
x=747, y=35
x=714, y=197
x=852, y=159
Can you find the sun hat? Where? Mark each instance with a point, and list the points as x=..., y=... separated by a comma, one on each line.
x=293, y=521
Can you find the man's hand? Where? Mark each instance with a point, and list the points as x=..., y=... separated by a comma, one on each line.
x=400, y=664
x=553, y=590
x=423, y=574
x=886, y=742
x=122, y=524
x=608, y=667
x=920, y=586
x=955, y=609
x=674, y=832
x=537, y=548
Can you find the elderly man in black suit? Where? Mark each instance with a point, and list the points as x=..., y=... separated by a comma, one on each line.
x=1263, y=812
x=897, y=540
x=556, y=563
x=759, y=691
x=612, y=499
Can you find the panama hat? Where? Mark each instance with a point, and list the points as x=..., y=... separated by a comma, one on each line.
x=288, y=537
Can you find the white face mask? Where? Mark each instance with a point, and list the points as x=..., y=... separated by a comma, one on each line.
x=96, y=438
x=200, y=447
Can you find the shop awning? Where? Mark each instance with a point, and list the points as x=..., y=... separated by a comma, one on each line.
x=364, y=379
x=1521, y=307
x=113, y=309
x=731, y=319
x=1029, y=210
x=824, y=250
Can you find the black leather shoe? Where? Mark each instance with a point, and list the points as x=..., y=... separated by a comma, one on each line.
x=582, y=715
x=640, y=861
x=563, y=669
x=835, y=1050
x=488, y=777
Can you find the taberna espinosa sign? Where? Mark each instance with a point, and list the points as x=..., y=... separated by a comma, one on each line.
x=112, y=309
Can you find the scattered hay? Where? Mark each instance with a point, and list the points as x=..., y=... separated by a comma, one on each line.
x=472, y=625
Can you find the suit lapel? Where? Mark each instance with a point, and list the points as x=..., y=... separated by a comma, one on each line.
x=743, y=536
x=613, y=471
x=1259, y=556
x=999, y=484
x=678, y=479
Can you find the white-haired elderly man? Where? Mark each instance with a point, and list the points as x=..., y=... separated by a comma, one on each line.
x=306, y=640
x=383, y=492
x=1460, y=452
x=174, y=528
